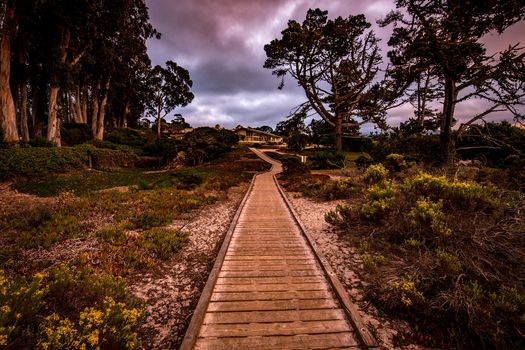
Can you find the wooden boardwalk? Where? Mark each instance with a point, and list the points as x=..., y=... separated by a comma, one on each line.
x=267, y=289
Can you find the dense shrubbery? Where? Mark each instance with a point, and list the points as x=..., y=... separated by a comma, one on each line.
x=75, y=134
x=326, y=189
x=204, y=144
x=327, y=160
x=460, y=247
x=421, y=148
x=493, y=143
x=43, y=161
x=40, y=161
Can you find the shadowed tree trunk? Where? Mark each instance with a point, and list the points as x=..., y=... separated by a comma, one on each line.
x=7, y=104
x=84, y=108
x=102, y=112
x=449, y=103
x=24, y=129
x=94, y=110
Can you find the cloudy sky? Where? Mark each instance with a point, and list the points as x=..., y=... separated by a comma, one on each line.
x=221, y=43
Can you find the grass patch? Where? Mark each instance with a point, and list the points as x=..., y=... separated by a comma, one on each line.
x=163, y=242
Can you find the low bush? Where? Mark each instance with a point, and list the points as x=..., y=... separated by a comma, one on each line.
x=327, y=160
x=375, y=173
x=395, y=163
x=104, y=159
x=205, y=144
x=462, y=194
x=427, y=214
x=162, y=242
x=72, y=134
x=364, y=160
x=327, y=189
x=292, y=166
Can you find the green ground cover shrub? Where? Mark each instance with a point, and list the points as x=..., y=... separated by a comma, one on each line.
x=67, y=309
x=37, y=162
x=162, y=242
x=375, y=173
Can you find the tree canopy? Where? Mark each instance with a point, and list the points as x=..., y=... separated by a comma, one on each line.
x=442, y=39
x=334, y=61
x=169, y=87
x=78, y=62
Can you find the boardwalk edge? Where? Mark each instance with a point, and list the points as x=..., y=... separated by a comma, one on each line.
x=190, y=337
x=363, y=333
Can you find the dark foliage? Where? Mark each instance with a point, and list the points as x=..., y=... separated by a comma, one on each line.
x=205, y=144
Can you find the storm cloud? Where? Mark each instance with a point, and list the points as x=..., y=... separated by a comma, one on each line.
x=221, y=43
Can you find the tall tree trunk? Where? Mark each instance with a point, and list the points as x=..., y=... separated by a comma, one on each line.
x=52, y=121
x=339, y=132
x=84, y=108
x=78, y=110
x=95, y=110
x=102, y=112
x=35, y=111
x=24, y=129
x=449, y=103
x=158, y=123
x=53, y=128
x=74, y=107
x=22, y=103
x=7, y=104
x=125, y=113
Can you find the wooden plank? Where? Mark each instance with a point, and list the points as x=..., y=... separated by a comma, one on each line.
x=268, y=280
x=274, y=273
x=268, y=257
x=275, y=328
x=313, y=341
x=280, y=295
x=273, y=316
x=261, y=287
x=262, y=305
x=275, y=267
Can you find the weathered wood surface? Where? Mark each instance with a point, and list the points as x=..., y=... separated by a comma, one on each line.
x=270, y=292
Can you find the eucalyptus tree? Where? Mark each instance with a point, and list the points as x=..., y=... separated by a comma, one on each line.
x=7, y=106
x=443, y=39
x=129, y=87
x=170, y=87
x=67, y=25
x=335, y=62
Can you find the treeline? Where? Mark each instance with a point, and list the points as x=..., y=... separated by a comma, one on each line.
x=74, y=61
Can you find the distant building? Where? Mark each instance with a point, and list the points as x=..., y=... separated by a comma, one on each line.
x=247, y=135
x=176, y=132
